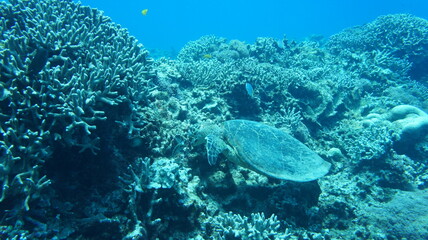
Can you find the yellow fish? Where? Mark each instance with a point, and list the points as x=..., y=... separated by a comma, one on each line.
x=207, y=56
x=144, y=11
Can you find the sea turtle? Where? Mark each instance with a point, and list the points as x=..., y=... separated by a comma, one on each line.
x=264, y=149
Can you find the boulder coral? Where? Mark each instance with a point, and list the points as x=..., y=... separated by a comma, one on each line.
x=412, y=123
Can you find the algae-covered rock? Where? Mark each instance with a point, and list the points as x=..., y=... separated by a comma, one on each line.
x=404, y=217
x=264, y=149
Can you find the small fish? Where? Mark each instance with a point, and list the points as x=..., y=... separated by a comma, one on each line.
x=207, y=56
x=144, y=11
x=249, y=89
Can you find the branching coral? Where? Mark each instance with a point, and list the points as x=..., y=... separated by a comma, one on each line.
x=65, y=71
x=235, y=226
x=401, y=36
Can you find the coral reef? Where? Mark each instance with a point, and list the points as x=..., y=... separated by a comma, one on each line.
x=390, y=41
x=99, y=141
x=403, y=217
x=234, y=226
x=69, y=77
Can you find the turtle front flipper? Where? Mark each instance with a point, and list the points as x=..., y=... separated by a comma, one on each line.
x=214, y=146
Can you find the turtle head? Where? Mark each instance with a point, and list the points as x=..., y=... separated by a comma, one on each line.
x=205, y=129
x=211, y=136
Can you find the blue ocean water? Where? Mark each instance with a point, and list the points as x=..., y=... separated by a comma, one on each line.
x=170, y=24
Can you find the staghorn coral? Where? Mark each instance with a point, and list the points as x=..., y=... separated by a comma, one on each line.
x=267, y=50
x=196, y=50
x=235, y=226
x=207, y=72
x=67, y=72
x=403, y=34
x=364, y=142
x=401, y=38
